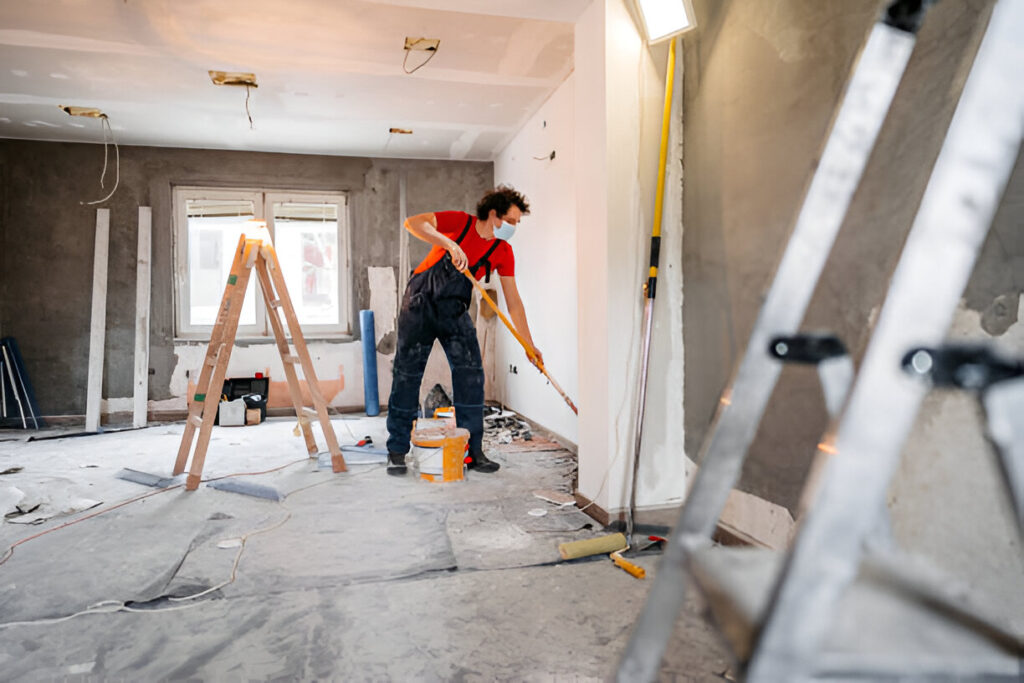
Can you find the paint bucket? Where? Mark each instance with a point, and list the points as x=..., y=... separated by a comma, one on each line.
x=440, y=453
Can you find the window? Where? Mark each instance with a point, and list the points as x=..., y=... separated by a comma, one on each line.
x=310, y=233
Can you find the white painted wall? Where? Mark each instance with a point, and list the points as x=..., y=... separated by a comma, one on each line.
x=619, y=86
x=546, y=273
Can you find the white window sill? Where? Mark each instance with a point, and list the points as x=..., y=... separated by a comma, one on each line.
x=250, y=341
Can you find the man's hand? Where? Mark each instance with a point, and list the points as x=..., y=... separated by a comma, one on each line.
x=459, y=259
x=537, y=359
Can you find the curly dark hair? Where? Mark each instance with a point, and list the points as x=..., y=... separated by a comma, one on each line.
x=501, y=200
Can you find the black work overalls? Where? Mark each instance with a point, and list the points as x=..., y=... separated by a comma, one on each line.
x=435, y=306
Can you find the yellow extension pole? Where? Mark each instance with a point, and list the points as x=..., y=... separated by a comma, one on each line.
x=530, y=352
x=659, y=199
x=650, y=287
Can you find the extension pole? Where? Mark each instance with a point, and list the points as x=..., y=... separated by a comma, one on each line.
x=530, y=352
x=650, y=286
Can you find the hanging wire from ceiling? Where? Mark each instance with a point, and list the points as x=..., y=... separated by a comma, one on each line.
x=105, y=126
x=248, y=89
x=405, y=62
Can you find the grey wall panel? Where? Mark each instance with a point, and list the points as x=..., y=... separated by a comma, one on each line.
x=46, y=238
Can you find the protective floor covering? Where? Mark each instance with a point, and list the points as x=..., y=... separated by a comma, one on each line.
x=352, y=576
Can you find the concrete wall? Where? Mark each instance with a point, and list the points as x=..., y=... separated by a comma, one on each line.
x=762, y=82
x=546, y=274
x=46, y=248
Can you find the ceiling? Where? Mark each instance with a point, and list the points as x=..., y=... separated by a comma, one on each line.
x=330, y=72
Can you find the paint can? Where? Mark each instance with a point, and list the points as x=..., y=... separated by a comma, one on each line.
x=440, y=452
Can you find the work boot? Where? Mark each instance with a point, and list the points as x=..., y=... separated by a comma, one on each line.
x=478, y=462
x=396, y=464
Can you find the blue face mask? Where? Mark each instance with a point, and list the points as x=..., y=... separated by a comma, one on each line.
x=505, y=231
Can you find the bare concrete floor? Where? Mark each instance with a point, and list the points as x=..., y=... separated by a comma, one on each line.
x=353, y=576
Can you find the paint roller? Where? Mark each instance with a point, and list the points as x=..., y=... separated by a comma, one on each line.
x=612, y=545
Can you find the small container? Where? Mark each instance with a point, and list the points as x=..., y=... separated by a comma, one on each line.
x=440, y=452
x=231, y=413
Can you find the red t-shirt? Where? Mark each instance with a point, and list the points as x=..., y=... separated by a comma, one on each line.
x=451, y=224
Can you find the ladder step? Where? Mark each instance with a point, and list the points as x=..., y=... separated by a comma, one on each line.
x=275, y=303
x=309, y=412
x=196, y=420
x=291, y=358
x=211, y=360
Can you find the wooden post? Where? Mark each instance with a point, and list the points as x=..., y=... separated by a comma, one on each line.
x=142, y=289
x=98, y=325
x=403, y=242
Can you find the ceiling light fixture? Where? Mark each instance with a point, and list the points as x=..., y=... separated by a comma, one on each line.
x=90, y=112
x=431, y=45
x=663, y=19
x=237, y=78
x=240, y=78
x=425, y=44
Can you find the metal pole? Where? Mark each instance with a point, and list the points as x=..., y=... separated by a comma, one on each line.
x=14, y=386
x=650, y=286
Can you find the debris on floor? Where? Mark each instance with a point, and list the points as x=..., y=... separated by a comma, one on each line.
x=436, y=398
x=505, y=426
x=558, y=498
x=36, y=508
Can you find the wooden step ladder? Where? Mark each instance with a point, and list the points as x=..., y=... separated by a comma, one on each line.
x=253, y=252
x=780, y=613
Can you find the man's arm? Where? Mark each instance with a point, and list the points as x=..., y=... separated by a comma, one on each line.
x=424, y=227
x=517, y=313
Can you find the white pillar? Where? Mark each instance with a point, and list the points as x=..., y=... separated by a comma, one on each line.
x=98, y=326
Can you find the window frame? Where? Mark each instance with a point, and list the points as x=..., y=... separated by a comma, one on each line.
x=263, y=201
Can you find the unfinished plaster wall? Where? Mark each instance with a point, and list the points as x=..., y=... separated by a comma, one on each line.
x=47, y=246
x=762, y=82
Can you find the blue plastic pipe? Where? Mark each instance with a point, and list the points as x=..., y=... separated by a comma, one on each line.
x=369, y=363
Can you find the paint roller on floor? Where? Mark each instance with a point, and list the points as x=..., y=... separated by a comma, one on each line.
x=612, y=545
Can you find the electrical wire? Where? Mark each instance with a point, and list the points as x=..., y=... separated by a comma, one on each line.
x=10, y=550
x=105, y=126
x=247, y=112
x=114, y=606
x=408, y=49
